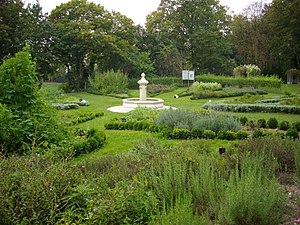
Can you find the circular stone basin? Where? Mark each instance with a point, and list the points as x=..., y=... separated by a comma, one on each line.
x=156, y=103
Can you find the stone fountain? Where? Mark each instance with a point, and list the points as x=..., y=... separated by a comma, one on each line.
x=130, y=104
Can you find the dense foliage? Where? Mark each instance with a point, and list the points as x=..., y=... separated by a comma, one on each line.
x=79, y=37
x=27, y=121
x=151, y=184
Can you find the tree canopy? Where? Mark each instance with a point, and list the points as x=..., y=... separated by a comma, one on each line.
x=79, y=37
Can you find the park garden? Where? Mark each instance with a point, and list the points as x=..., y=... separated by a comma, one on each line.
x=227, y=152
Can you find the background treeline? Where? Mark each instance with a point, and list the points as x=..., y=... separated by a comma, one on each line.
x=79, y=38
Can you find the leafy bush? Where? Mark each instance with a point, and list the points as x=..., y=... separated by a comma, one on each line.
x=34, y=189
x=181, y=133
x=262, y=123
x=284, y=125
x=110, y=82
x=197, y=132
x=201, y=86
x=177, y=119
x=241, y=134
x=88, y=141
x=296, y=126
x=247, y=70
x=292, y=133
x=243, y=120
x=19, y=82
x=209, y=134
x=35, y=123
x=274, y=146
x=218, y=121
x=258, y=134
x=272, y=123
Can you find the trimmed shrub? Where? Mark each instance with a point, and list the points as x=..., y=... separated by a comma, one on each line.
x=284, y=125
x=209, y=134
x=179, y=133
x=262, y=123
x=296, y=126
x=272, y=123
x=88, y=141
x=292, y=134
x=230, y=135
x=243, y=120
x=197, y=132
x=241, y=134
x=257, y=134
x=221, y=134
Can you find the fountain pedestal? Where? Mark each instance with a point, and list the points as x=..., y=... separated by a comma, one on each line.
x=130, y=104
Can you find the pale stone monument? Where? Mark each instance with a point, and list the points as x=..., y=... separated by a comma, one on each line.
x=130, y=104
x=143, y=87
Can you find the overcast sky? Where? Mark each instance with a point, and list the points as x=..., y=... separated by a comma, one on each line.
x=137, y=10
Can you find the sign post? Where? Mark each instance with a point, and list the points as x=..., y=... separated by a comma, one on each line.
x=188, y=75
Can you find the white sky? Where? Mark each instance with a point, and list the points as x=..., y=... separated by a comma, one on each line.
x=137, y=10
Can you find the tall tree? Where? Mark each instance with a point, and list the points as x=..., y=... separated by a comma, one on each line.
x=283, y=19
x=250, y=36
x=198, y=29
x=13, y=23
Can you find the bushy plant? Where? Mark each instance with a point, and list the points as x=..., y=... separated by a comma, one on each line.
x=257, y=133
x=181, y=133
x=247, y=70
x=19, y=82
x=243, y=120
x=262, y=123
x=202, y=86
x=292, y=133
x=180, y=213
x=252, y=197
x=88, y=141
x=209, y=134
x=252, y=70
x=35, y=122
x=275, y=147
x=296, y=126
x=110, y=82
x=217, y=122
x=176, y=119
x=272, y=123
x=34, y=189
x=241, y=134
x=284, y=125
x=197, y=133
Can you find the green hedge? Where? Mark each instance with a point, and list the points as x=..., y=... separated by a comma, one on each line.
x=259, y=81
x=253, y=108
x=225, y=93
x=85, y=117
